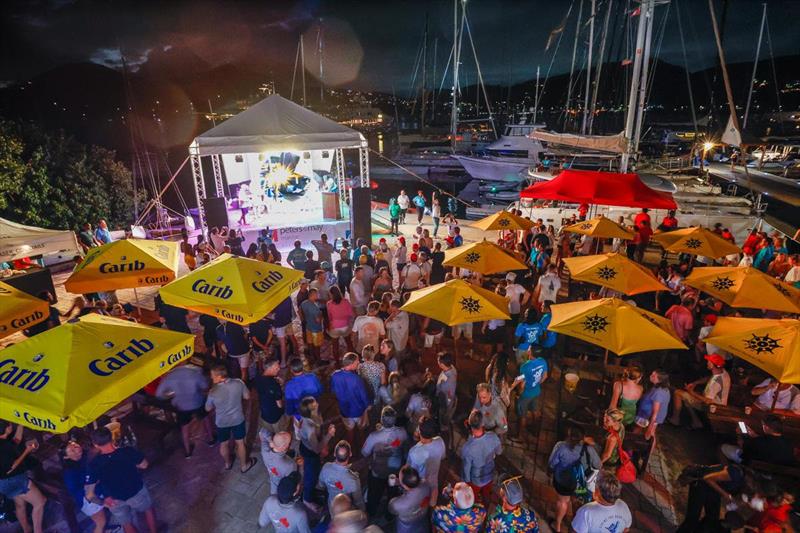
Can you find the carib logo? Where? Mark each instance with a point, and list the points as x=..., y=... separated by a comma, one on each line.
x=216, y=289
x=122, y=358
x=13, y=374
x=122, y=266
x=267, y=282
x=35, y=421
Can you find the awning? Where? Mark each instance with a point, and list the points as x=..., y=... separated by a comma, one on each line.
x=18, y=241
x=605, y=143
x=602, y=188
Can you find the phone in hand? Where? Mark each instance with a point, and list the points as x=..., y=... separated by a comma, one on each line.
x=743, y=427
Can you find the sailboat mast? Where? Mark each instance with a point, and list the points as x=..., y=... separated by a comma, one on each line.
x=588, y=69
x=755, y=65
x=574, y=51
x=303, y=68
x=635, y=81
x=648, y=40
x=454, y=103
x=536, y=97
x=424, y=75
x=724, y=66
x=601, y=55
x=320, y=49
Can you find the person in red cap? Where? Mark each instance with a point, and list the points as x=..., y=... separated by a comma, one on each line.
x=410, y=275
x=702, y=348
x=716, y=390
x=401, y=253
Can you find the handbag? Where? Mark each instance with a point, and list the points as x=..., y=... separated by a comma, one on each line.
x=626, y=471
x=587, y=478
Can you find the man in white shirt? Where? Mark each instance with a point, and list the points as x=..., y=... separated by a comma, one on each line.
x=368, y=329
x=793, y=276
x=397, y=326
x=404, y=202
x=548, y=286
x=410, y=276
x=517, y=296
x=607, y=512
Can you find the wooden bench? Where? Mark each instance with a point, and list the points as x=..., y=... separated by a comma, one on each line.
x=725, y=419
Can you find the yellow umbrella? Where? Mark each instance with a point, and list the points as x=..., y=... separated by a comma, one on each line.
x=614, y=271
x=70, y=375
x=614, y=325
x=503, y=220
x=457, y=302
x=19, y=310
x=484, y=257
x=697, y=241
x=746, y=287
x=125, y=264
x=234, y=288
x=601, y=227
x=773, y=345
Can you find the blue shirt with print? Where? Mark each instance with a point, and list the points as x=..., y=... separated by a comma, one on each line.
x=548, y=338
x=533, y=371
x=529, y=333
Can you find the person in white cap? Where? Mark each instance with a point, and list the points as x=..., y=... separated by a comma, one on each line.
x=274, y=450
x=518, y=297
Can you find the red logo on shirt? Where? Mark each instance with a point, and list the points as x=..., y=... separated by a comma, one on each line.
x=284, y=521
x=339, y=485
x=274, y=471
x=395, y=443
x=425, y=502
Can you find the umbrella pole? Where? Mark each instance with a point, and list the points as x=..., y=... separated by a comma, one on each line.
x=138, y=305
x=775, y=397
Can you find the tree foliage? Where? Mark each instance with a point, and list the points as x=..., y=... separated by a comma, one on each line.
x=51, y=180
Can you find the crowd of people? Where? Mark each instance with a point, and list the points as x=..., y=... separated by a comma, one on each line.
x=364, y=409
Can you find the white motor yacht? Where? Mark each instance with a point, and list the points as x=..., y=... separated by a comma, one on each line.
x=508, y=158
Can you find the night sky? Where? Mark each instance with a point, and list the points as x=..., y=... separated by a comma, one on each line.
x=368, y=44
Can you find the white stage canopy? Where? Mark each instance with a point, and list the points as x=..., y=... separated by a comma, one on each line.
x=276, y=124
x=18, y=241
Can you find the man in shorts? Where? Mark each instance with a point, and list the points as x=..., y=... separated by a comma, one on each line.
x=462, y=330
x=351, y=393
x=236, y=344
x=114, y=480
x=282, y=327
x=434, y=333
x=532, y=374
x=226, y=398
x=186, y=387
x=314, y=325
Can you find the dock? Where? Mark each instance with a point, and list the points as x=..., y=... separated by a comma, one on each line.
x=782, y=189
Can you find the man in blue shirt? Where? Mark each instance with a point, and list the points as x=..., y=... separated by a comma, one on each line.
x=301, y=385
x=547, y=339
x=237, y=345
x=419, y=203
x=297, y=257
x=527, y=333
x=101, y=233
x=351, y=393
x=531, y=376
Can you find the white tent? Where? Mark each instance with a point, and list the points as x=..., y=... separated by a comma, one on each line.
x=276, y=124
x=18, y=241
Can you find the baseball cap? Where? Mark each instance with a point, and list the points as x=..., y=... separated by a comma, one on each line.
x=401, y=239
x=511, y=276
x=382, y=239
x=325, y=265
x=287, y=487
x=304, y=281
x=716, y=359
x=280, y=441
x=711, y=319
x=513, y=490
x=413, y=258
x=415, y=247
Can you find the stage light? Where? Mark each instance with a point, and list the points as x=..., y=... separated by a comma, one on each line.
x=708, y=146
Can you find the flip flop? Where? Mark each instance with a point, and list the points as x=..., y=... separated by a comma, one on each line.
x=228, y=466
x=250, y=464
x=552, y=525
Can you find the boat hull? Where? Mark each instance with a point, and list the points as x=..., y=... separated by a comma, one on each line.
x=495, y=169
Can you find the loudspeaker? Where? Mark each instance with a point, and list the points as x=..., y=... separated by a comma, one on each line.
x=361, y=214
x=216, y=212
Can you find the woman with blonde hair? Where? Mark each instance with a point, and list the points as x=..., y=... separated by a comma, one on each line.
x=615, y=434
x=626, y=393
x=393, y=392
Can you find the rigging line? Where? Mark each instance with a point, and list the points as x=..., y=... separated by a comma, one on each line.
x=600, y=59
x=480, y=75
x=572, y=64
x=420, y=178
x=294, y=72
x=774, y=70
x=555, y=52
x=157, y=197
x=659, y=41
x=446, y=69
x=413, y=84
x=686, y=66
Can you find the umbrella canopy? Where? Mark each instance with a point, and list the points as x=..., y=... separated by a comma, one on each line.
x=457, y=302
x=125, y=264
x=19, y=310
x=614, y=271
x=70, y=375
x=233, y=288
x=615, y=325
x=484, y=257
x=503, y=220
x=602, y=227
x=696, y=240
x=602, y=188
x=772, y=345
x=745, y=287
